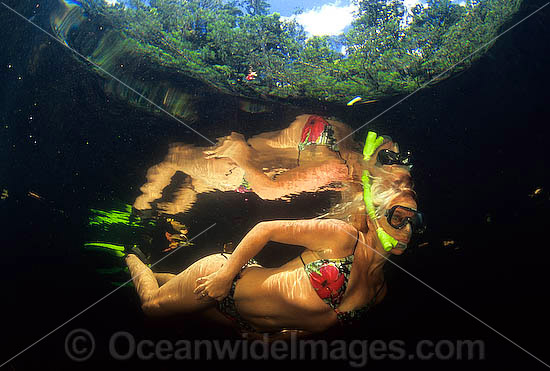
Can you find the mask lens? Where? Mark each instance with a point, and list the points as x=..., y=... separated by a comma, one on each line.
x=387, y=157
x=405, y=158
x=418, y=223
x=400, y=215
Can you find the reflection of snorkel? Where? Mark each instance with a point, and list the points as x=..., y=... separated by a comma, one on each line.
x=388, y=242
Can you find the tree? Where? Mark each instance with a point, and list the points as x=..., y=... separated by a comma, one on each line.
x=255, y=7
x=219, y=42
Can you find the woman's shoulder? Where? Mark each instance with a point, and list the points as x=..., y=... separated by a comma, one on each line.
x=336, y=223
x=343, y=234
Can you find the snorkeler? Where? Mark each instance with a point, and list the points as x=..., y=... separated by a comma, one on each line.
x=305, y=157
x=334, y=281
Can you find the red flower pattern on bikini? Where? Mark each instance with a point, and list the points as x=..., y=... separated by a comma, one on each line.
x=329, y=283
x=314, y=126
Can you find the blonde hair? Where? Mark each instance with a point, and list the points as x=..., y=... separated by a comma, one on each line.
x=386, y=186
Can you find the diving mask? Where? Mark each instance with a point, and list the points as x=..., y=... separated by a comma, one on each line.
x=387, y=157
x=399, y=216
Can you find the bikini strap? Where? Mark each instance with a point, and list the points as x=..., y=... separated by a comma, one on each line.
x=302, y=259
x=356, y=241
x=353, y=253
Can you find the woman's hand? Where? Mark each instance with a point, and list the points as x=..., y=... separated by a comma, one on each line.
x=215, y=286
x=233, y=146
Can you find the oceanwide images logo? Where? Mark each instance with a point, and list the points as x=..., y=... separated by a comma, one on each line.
x=80, y=346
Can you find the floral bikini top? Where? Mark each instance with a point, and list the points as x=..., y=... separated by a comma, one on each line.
x=318, y=131
x=329, y=278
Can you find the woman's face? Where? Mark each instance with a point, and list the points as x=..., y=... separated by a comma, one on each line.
x=402, y=235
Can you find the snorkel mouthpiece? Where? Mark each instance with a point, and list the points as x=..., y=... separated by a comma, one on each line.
x=388, y=242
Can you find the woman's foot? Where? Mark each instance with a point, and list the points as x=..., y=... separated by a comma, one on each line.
x=136, y=251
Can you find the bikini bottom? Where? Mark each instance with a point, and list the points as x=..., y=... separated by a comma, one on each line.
x=227, y=305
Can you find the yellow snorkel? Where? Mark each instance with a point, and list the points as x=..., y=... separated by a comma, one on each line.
x=372, y=142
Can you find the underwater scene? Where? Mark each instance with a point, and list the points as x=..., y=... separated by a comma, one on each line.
x=328, y=184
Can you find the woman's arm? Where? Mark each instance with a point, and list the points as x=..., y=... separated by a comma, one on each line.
x=328, y=235
x=234, y=147
x=294, y=181
x=334, y=237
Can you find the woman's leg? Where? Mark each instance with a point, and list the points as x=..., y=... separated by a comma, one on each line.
x=158, y=177
x=184, y=199
x=176, y=295
x=143, y=278
x=191, y=161
x=162, y=278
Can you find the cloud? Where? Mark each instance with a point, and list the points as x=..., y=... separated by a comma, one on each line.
x=329, y=19
x=411, y=3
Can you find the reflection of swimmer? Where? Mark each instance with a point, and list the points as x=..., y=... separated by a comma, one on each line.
x=267, y=164
x=334, y=281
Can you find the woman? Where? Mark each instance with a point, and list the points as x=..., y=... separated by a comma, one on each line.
x=301, y=158
x=335, y=280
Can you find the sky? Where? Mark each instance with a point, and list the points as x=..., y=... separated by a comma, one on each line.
x=325, y=17
x=321, y=17
x=330, y=18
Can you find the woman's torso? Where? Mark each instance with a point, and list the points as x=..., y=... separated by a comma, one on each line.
x=275, y=298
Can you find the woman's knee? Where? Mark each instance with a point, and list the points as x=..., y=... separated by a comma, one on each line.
x=210, y=264
x=151, y=307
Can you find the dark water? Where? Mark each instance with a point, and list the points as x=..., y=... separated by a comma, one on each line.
x=480, y=142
